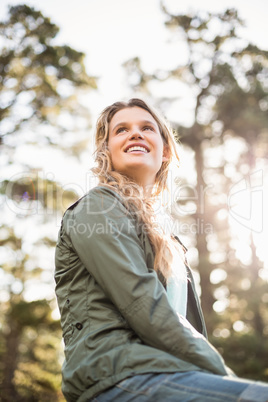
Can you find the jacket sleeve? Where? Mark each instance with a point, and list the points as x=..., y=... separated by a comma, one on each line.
x=106, y=240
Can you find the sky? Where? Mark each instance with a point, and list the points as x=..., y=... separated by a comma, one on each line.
x=110, y=32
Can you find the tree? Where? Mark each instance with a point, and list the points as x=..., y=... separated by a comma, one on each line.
x=39, y=80
x=40, y=88
x=227, y=78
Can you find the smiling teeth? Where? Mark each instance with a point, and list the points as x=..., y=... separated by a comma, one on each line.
x=137, y=149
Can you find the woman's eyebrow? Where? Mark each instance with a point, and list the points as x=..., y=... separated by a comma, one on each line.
x=122, y=123
x=149, y=122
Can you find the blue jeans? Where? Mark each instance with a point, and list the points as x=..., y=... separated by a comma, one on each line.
x=186, y=386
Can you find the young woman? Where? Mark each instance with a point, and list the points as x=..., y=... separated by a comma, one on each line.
x=132, y=324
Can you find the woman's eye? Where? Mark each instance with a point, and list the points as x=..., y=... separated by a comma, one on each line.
x=148, y=128
x=120, y=130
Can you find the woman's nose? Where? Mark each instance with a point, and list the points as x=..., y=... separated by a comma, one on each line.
x=136, y=134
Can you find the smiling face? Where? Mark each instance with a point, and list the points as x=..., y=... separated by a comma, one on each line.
x=136, y=145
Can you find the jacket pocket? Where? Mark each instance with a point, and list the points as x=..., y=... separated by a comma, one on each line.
x=68, y=334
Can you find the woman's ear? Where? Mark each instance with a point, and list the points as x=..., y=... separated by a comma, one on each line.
x=166, y=154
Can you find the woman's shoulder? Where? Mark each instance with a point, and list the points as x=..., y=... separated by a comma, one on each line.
x=99, y=198
x=100, y=211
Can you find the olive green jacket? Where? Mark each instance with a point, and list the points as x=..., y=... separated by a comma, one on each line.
x=115, y=315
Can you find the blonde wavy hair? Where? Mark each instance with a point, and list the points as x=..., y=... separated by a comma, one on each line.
x=136, y=202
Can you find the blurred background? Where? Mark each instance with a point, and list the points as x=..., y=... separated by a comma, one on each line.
x=206, y=69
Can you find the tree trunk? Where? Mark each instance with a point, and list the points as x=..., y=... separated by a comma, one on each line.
x=205, y=267
x=12, y=338
x=255, y=264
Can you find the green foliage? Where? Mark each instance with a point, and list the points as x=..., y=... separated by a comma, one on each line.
x=37, y=376
x=38, y=78
x=247, y=354
x=29, y=313
x=36, y=190
x=38, y=373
